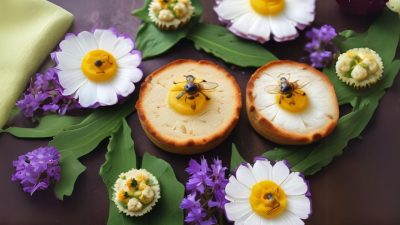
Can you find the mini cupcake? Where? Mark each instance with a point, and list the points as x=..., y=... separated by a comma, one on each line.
x=359, y=67
x=136, y=192
x=170, y=14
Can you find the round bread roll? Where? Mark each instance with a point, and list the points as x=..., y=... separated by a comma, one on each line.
x=188, y=133
x=311, y=112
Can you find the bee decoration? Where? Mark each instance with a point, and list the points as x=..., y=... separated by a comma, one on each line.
x=99, y=63
x=286, y=88
x=193, y=89
x=275, y=204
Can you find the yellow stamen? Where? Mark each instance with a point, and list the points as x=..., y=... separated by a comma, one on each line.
x=99, y=65
x=267, y=199
x=268, y=7
x=297, y=102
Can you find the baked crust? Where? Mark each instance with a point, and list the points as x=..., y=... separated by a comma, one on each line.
x=190, y=145
x=271, y=131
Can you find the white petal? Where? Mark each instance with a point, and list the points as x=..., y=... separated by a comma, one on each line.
x=71, y=80
x=236, y=190
x=106, y=39
x=106, y=94
x=71, y=45
x=294, y=185
x=132, y=74
x=123, y=87
x=262, y=170
x=287, y=218
x=259, y=27
x=67, y=61
x=253, y=220
x=87, y=94
x=122, y=47
x=280, y=172
x=304, y=16
x=244, y=175
x=241, y=24
x=87, y=41
x=282, y=28
x=129, y=61
x=229, y=10
x=237, y=210
x=299, y=205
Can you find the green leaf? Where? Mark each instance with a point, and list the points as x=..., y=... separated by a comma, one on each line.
x=48, y=126
x=81, y=139
x=223, y=44
x=383, y=37
x=153, y=41
x=120, y=158
x=236, y=158
x=167, y=211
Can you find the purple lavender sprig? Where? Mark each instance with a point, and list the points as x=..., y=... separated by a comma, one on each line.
x=206, y=193
x=35, y=170
x=44, y=95
x=321, y=48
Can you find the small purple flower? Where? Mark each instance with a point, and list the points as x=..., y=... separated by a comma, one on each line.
x=321, y=48
x=44, y=95
x=206, y=192
x=35, y=170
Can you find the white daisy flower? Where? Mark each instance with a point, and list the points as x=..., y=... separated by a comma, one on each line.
x=260, y=19
x=267, y=195
x=97, y=68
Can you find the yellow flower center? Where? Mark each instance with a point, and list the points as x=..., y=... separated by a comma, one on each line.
x=268, y=7
x=185, y=103
x=296, y=102
x=267, y=199
x=99, y=65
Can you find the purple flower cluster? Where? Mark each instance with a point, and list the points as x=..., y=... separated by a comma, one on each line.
x=206, y=192
x=321, y=48
x=44, y=95
x=36, y=169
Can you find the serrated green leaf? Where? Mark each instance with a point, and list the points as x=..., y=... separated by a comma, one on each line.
x=310, y=159
x=152, y=41
x=236, y=158
x=223, y=44
x=81, y=139
x=48, y=126
x=120, y=157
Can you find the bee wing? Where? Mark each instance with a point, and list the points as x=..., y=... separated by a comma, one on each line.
x=180, y=95
x=272, y=89
x=207, y=85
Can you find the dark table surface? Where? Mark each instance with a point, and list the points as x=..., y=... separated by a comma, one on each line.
x=359, y=188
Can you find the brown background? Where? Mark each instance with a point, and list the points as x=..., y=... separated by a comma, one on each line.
x=361, y=187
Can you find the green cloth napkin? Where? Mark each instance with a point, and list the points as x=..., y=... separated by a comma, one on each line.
x=29, y=31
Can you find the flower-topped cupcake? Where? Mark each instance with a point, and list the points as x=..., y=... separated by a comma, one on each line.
x=170, y=14
x=260, y=19
x=136, y=192
x=359, y=67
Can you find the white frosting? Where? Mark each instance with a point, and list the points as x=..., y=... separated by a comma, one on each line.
x=321, y=105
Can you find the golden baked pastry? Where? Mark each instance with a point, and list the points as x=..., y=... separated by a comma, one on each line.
x=291, y=103
x=193, y=121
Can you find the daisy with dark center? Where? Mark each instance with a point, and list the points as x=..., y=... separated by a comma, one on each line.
x=98, y=68
x=265, y=194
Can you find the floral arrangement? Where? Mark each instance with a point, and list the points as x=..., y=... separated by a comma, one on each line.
x=99, y=69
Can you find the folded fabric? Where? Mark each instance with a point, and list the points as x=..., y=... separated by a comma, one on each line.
x=29, y=31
